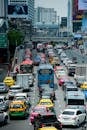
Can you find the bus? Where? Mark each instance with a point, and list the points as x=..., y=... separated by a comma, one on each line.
x=76, y=99
x=45, y=75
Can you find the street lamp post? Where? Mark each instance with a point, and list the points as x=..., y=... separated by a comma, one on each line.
x=58, y=26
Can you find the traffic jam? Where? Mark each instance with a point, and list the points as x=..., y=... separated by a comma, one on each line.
x=31, y=91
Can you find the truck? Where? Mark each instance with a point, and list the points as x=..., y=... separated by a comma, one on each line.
x=23, y=81
x=80, y=74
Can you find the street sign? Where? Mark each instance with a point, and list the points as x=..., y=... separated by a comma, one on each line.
x=3, y=40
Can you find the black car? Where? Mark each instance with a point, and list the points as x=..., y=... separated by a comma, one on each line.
x=3, y=88
x=47, y=119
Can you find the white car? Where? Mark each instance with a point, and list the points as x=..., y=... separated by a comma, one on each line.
x=13, y=90
x=72, y=117
x=22, y=96
x=60, y=73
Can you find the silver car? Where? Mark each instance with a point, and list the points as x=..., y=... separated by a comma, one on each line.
x=4, y=118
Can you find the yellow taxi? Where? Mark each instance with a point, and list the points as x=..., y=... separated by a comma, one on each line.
x=84, y=85
x=55, y=61
x=46, y=102
x=48, y=128
x=18, y=108
x=9, y=81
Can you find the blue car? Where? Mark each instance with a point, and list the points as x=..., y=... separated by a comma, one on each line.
x=37, y=60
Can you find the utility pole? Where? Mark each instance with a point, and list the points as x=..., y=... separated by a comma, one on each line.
x=58, y=26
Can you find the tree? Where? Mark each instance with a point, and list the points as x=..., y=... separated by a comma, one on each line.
x=15, y=38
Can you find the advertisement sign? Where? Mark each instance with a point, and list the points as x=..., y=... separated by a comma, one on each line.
x=82, y=4
x=76, y=14
x=84, y=24
x=3, y=40
x=17, y=10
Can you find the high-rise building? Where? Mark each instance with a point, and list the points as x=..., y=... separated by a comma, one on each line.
x=75, y=16
x=45, y=15
x=64, y=21
x=21, y=9
x=69, y=17
x=3, y=8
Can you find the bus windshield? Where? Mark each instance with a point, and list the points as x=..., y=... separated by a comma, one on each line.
x=75, y=102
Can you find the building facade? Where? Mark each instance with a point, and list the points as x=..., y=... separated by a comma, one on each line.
x=69, y=18
x=45, y=15
x=75, y=16
x=21, y=9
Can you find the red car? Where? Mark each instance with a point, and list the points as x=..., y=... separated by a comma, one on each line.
x=62, y=80
x=37, y=110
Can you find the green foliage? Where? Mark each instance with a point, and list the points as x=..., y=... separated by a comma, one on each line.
x=15, y=37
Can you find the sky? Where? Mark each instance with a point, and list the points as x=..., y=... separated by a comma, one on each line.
x=59, y=5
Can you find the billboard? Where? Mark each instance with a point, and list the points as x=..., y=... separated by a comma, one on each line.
x=76, y=14
x=17, y=10
x=82, y=4
x=84, y=24
x=3, y=8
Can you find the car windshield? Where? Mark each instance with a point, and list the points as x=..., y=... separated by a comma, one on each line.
x=20, y=98
x=75, y=102
x=16, y=106
x=45, y=103
x=1, y=84
x=68, y=113
x=15, y=88
x=72, y=89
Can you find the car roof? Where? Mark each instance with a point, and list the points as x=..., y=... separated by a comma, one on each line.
x=2, y=83
x=2, y=96
x=15, y=86
x=71, y=86
x=45, y=100
x=20, y=94
x=69, y=109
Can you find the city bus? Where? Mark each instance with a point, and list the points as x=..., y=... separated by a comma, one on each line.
x=76, y=99
x=45, y=75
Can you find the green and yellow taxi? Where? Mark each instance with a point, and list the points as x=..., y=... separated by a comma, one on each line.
x=18, y=108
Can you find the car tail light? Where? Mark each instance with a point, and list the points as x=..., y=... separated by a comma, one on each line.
x=60, y=125
x=42, y=125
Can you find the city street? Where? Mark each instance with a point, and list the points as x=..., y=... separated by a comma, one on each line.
x=25, y=124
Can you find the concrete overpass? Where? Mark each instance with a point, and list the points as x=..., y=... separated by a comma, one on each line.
x=54, y=39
